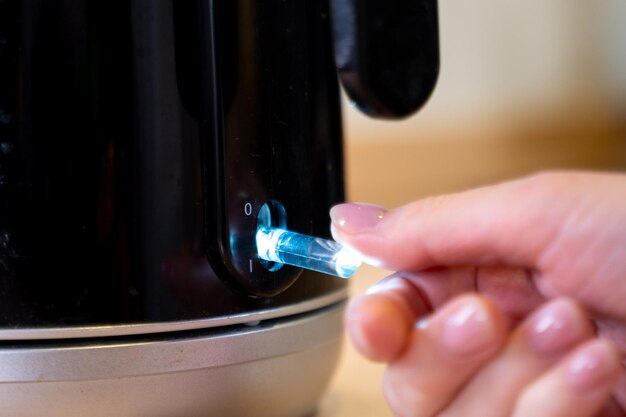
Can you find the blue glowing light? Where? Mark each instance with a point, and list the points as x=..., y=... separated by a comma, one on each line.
x=286, y=247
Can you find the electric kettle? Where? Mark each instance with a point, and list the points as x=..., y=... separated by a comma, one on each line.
x=142, y=142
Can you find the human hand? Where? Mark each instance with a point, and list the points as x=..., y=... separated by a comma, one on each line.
x=462, y=361
x=518, y=243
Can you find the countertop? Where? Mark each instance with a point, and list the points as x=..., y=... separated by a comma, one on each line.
x=355, y=388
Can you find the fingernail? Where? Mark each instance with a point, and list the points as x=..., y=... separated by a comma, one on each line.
x=405, y=294
x=467, y=329
x=422, y=323
x=355, y=218
x=593, y=365
x=392, y=283
x=556, y=327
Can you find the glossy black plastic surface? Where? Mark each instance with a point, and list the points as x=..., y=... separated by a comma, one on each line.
x=387, y=53
x=110, y=121
x=267, y=73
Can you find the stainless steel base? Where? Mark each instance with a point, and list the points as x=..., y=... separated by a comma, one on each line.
x=277, y=368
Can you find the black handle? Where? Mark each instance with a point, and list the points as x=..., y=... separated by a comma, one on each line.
x=387, y=53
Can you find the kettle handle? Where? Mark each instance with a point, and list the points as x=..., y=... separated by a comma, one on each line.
x=386, y=53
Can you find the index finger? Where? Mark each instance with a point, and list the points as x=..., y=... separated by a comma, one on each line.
x=505, y=224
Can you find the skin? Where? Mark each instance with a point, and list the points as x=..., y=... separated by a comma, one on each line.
x=539, y=267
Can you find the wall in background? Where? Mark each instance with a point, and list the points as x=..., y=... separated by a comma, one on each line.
x=524, y=86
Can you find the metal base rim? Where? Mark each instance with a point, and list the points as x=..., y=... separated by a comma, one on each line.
x=276, y=369
x=78, y=332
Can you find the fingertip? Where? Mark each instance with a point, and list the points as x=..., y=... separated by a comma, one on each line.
x=443, y=356
x=556, y=327
x=355, y=218
x=491, y=310
x=578, y=386
x=378, y=327
x=471, y=325
x=595, y=364
x=354, y=225
x=408, y=296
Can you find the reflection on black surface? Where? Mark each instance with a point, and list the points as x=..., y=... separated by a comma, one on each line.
x=102, y=213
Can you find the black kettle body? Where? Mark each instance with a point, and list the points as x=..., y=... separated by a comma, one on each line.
x=141, y=143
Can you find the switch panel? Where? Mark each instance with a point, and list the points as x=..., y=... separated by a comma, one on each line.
x=272, y=129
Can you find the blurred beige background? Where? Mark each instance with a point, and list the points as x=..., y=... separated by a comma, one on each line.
x=524, y=86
